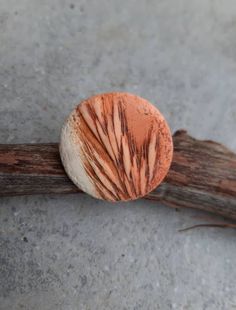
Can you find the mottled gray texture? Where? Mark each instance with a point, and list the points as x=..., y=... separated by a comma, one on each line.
x=73, y=252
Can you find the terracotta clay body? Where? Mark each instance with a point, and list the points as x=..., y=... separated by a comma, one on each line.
x=116, y=146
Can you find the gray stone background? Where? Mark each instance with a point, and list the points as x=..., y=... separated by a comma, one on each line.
x=72, y=252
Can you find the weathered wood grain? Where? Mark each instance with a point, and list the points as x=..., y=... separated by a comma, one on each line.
x=202, y=174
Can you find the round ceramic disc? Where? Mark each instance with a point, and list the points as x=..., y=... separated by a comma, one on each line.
x=116, y=146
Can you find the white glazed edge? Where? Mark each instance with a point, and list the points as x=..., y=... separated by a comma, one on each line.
x=72, y=158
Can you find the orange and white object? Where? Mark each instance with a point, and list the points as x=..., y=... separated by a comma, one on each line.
x=116, y=146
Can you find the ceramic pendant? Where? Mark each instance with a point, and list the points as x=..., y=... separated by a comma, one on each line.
x=116, y=146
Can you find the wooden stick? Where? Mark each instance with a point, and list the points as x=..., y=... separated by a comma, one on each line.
x=202, y=175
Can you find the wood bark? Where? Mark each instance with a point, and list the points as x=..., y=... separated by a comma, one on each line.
x=202, y=175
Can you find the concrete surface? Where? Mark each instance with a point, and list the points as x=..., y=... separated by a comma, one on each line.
x=73, y=252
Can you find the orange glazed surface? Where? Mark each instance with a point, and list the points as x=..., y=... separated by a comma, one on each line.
x=123, y=145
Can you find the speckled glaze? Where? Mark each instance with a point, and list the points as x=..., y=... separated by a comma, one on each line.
x=116, y=146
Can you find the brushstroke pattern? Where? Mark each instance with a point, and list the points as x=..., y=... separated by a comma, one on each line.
x=126, y=145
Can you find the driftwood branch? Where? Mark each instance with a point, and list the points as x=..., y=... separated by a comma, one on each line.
x=202, y=175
